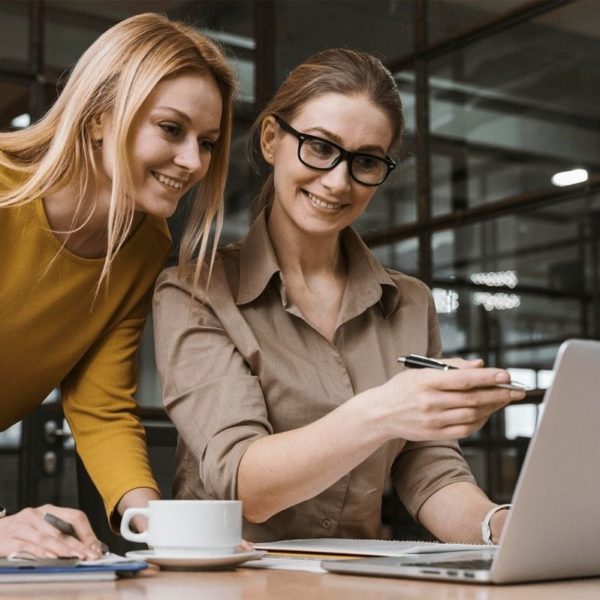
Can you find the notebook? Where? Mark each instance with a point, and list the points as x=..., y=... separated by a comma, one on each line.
x=354, y=548
x=552, y=529
x=60, y=569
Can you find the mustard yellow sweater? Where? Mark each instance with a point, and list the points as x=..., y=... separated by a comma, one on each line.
x=53, y=333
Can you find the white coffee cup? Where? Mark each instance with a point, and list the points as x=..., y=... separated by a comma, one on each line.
x=200, y=527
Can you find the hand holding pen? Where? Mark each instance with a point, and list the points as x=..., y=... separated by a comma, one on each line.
x=29, y=531
x=68, y=529
x=440, y=401
x=414, y=361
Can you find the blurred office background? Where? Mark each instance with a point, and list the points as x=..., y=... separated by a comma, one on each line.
x=495, y=204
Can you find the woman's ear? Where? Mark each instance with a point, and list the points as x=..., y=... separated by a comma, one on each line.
x=268, y=139
x=96, y=129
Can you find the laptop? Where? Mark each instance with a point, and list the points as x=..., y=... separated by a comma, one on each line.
x=553, y=528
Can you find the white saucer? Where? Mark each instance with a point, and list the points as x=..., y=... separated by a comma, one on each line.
x=183, y=560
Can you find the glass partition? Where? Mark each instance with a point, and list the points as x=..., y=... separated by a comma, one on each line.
x=73, y=25
x=449, y=18
x=523, y=282
x=401, y=256
x=14, y=34
x=394, y=203
x=303, y=28
x=514, y=109
x=14, y=105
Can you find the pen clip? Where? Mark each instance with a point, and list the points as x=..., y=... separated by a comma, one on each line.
x=423, y=362
x=427, y=360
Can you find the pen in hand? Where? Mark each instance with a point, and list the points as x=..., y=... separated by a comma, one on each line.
x=68, y=529
x=414, y=361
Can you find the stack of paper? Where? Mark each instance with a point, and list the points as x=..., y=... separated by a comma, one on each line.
x=306, y=554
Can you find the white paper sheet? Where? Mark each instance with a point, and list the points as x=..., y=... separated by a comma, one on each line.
x=286, y=564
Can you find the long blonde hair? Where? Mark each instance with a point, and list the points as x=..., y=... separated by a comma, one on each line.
x=115, y=75
x=338, y=71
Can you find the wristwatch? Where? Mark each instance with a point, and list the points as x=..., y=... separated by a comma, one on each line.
x=2, y=511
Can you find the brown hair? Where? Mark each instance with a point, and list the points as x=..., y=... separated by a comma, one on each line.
x=115, y=75
x=337, y=71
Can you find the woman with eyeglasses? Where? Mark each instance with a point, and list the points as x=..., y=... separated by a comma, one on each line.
x=281, y=374
x=144, y=118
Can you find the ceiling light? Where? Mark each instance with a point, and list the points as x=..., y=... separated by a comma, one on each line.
x=21, y=121
x=496, y=279
x=496, y=301
x=571, y=177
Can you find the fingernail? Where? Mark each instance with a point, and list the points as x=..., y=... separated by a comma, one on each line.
x=517, y=395
x=49, y=554
x=99, y=547
x=502, y=377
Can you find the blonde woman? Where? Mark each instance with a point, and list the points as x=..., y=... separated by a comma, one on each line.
x=144, y=118
x=285, y=386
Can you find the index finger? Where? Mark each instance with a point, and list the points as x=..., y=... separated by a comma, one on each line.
x=461, y=363
x=78, y=521
x=62, y=526
x=466, y=379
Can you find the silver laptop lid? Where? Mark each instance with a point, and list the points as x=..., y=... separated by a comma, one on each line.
x=553, y=529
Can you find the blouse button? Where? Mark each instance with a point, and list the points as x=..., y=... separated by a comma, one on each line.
x=326, y=523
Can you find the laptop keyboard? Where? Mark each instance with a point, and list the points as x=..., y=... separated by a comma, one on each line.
x=475, y=564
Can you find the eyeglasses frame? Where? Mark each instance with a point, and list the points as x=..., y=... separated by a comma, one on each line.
x=345, y=155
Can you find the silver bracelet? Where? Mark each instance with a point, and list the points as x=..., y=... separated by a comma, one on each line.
x=2, y=511
x=486, y=531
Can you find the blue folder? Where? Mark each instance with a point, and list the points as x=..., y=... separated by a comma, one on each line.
x=29, y=571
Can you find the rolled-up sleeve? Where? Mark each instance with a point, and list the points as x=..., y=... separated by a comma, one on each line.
x=208, y=390
x=423, y=468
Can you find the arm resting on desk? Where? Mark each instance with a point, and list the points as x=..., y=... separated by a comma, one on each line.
x=455, y=513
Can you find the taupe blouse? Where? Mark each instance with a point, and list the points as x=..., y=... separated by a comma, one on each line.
x=246, y=364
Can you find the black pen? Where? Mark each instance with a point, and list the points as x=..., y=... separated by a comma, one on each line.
x=68, y=529
x=414, y=361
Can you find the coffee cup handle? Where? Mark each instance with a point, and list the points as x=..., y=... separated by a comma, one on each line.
x=132, y=536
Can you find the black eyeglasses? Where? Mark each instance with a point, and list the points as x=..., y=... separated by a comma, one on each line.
x=323, y=155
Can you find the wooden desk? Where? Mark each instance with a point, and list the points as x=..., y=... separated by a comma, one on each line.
x=254, y=584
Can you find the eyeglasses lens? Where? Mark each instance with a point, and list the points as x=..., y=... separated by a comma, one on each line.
x=365, y=168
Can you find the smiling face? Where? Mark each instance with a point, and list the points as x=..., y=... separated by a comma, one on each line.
x=171, y=142
x=324, y=202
